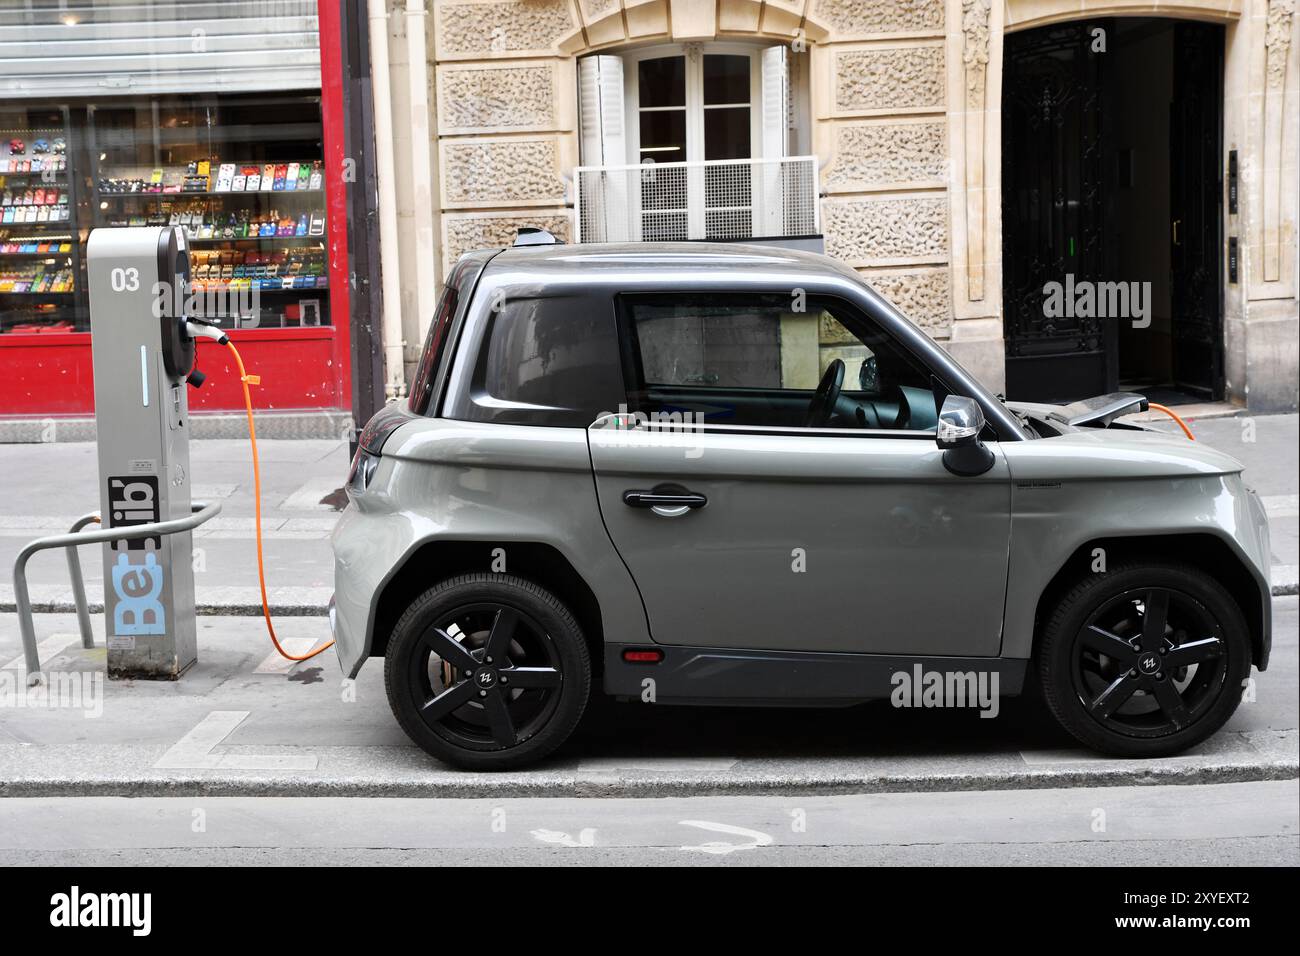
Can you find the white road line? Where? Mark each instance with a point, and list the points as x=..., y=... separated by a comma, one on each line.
x=273, y=663
x=46, y=650
x=194, y=750
x=308, y=496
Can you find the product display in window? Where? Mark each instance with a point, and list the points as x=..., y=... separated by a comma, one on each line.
x=40, y=235
x=34, y=277
x=204, y=220
x=210, y=176
x=302, y=268
x=242, y=173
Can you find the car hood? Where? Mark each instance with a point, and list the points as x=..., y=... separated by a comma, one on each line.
x=1109, y=453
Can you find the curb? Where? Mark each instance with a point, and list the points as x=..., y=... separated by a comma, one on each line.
x=200, y=608
x=464, y=785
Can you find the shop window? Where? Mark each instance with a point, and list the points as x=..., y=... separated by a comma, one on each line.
x=243, y=174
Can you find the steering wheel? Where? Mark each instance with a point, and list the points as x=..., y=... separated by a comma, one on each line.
x=823, y=401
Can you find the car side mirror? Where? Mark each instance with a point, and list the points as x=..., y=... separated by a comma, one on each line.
x=958, y=433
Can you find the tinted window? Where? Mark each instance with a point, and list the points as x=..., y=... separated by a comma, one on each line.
x=546, y=361
x=422, y=386
x=758, y=360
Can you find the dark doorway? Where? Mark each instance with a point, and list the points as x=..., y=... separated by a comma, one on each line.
x=1111, y=146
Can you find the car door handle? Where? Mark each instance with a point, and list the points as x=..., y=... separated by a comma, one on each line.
x=663, y=502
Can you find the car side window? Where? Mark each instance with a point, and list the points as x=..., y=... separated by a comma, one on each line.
x=549, y=360
x=770, y=360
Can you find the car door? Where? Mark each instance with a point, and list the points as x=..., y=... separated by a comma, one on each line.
x=746, y=527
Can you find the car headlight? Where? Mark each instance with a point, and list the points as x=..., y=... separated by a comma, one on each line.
x=363, y=469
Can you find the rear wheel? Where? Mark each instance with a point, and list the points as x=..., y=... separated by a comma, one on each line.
x=487, y=672
x=1144, y=661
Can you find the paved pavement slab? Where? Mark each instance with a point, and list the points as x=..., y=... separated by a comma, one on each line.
x=239, y=724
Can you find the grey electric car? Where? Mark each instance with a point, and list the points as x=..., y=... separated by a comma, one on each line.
x=682, y=473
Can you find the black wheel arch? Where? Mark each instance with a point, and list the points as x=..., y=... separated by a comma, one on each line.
x=1207, y=552
x=438, y=560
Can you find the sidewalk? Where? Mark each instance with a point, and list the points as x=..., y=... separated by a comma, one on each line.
x=243, y=722
x=296, y=475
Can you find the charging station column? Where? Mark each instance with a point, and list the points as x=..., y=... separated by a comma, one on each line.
x=139, y=282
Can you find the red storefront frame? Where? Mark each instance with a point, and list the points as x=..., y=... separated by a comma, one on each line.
x=49, y=374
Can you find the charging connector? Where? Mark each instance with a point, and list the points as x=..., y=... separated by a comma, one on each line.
x=198, y=329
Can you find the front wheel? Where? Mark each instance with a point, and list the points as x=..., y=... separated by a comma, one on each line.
x=1144, y=661
x=487, y=672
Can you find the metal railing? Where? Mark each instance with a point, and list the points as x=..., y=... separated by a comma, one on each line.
x=70, y=542
x=731, y=199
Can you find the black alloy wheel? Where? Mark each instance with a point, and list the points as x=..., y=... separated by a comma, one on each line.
x=1144, y=660
x=487, y=671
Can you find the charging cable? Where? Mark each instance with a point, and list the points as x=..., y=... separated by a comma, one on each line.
x=1174, y=415
x=197, y=330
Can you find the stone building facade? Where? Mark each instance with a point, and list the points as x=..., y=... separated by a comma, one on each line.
x=901, y=103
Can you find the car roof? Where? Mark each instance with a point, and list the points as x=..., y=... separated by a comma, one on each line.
x=638, y=256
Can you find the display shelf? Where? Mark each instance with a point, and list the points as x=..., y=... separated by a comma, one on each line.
x=36, y=179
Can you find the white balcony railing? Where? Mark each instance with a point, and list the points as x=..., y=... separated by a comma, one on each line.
x=719, y=199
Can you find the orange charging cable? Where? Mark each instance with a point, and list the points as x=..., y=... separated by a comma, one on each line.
x=1174, y=415
x=246, y=380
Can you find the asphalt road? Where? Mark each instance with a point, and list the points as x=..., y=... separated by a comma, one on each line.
x=1246, y=823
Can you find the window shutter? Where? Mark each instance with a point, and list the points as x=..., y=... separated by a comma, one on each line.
x=600, y=80
x=776, y=101
x=114, y=48
x=604, y=199
x=770, y=202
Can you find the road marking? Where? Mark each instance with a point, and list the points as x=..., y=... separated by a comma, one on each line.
x=194, y=750
x=587, y=837
x=657, y=764
x=308, y=496
x=756, y=838
x=273, y=663
x=46, y=650
x=218, y=490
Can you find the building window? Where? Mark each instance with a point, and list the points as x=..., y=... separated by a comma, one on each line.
x=694, y=142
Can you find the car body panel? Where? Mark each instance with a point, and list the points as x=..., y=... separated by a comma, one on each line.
x=830, y=542
x=462, y=481
x=1093, y=484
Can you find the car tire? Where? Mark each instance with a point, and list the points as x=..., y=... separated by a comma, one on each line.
x=472, y=708
x=1123, y=691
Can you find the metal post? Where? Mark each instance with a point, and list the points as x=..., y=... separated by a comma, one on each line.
x=22, y=598
x=79, y=584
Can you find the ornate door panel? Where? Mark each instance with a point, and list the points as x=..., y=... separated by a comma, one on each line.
x=1052, y=211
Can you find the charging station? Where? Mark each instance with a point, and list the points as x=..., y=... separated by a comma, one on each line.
x=143, y=354
x=143, y=343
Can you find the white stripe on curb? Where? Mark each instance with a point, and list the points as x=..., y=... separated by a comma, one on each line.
x=46, y=650
x=273, y=663
x=194, y=750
